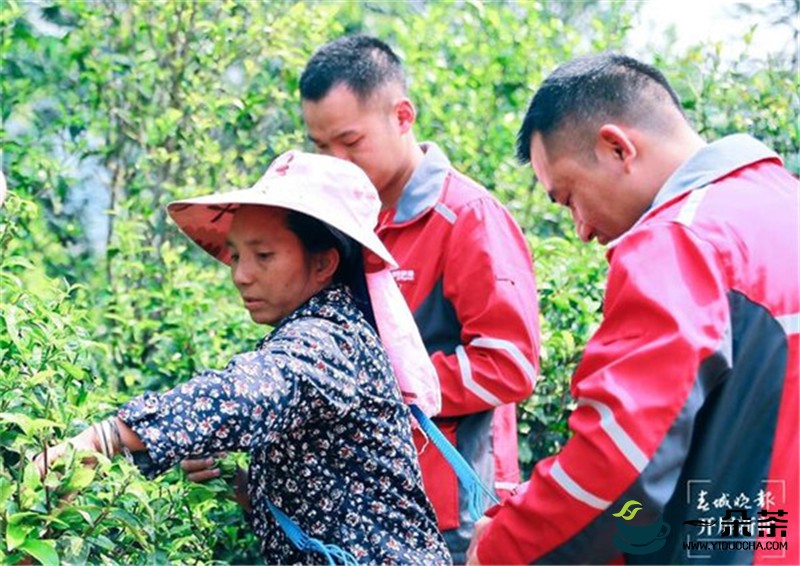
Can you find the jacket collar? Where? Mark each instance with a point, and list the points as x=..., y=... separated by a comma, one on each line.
x=710, y=163
x=425, y=185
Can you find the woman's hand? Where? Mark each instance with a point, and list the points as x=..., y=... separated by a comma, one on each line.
x=240, y=491
x=85, y=441
x=205, y=469
x=202, y=469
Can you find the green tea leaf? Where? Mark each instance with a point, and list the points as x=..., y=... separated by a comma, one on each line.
x=31, y=478
x=11, y=324
x=42, y=550
x=6, y=489
x=16, y=518
x=75, y=550
x=80, y=478
x=73, y=370
x=22, y=421
x=15, y=535
x=126, y=518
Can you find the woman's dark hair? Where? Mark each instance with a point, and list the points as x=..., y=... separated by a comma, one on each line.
x=317, y=236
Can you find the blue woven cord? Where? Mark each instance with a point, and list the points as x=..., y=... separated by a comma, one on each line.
x=466, y=475
x=305, y=543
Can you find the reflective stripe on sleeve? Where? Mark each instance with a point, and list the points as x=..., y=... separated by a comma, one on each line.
x=511, y=349
x=790, y=323
x=689, y=208
x=617, y=434
x=576, y=491
x=469, y=381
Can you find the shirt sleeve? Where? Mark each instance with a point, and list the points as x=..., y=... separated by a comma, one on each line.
x=214, y=411
x=665, y=320
x=489, y=280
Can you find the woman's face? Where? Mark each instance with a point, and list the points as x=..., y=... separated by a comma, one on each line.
x=269, y=265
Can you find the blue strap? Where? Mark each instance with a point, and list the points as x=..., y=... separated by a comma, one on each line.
x=466, y=475
x=305, y=543
x=470, y=481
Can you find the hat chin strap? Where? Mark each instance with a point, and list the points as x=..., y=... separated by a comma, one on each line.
x=412, y=366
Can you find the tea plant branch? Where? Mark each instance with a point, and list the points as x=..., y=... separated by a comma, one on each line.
x=107, y=508
x=195, y=527
x=46, y=488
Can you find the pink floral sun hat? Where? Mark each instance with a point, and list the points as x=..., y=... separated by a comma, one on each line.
x=329, y=189
x=340, y=194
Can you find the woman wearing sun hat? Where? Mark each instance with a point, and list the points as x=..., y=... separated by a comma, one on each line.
x=319, y=403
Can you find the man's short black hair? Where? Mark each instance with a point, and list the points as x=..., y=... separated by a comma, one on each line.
x=588, y=90
x=361, y=62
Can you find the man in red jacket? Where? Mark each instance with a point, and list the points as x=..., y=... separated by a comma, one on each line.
x=465, y=268
x=685, y=442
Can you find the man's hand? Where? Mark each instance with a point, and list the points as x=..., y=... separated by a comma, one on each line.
x=472, y=551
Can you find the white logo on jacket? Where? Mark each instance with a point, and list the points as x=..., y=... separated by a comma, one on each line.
x=403, y=275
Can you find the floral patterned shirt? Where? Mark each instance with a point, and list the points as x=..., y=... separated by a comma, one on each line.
x=317, y=407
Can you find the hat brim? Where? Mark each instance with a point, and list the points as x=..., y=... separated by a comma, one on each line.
x=207, y=220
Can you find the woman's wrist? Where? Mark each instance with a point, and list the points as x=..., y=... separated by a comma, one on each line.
x=87, y=439
x=107, y=444
x=107, y=439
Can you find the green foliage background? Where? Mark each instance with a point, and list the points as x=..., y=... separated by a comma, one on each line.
x=176, y=99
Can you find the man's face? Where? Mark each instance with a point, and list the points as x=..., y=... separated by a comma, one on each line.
x=597, y=194
x=365, y=133
x=269, y=264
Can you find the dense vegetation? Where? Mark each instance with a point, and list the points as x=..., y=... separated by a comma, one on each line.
x=122, y=107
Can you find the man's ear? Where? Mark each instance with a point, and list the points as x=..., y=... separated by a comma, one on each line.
x=616, y=146
x=325, y=265
x=405, y=113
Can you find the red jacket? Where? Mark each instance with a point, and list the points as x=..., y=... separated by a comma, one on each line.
x=688, y=392
x=466, y=273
